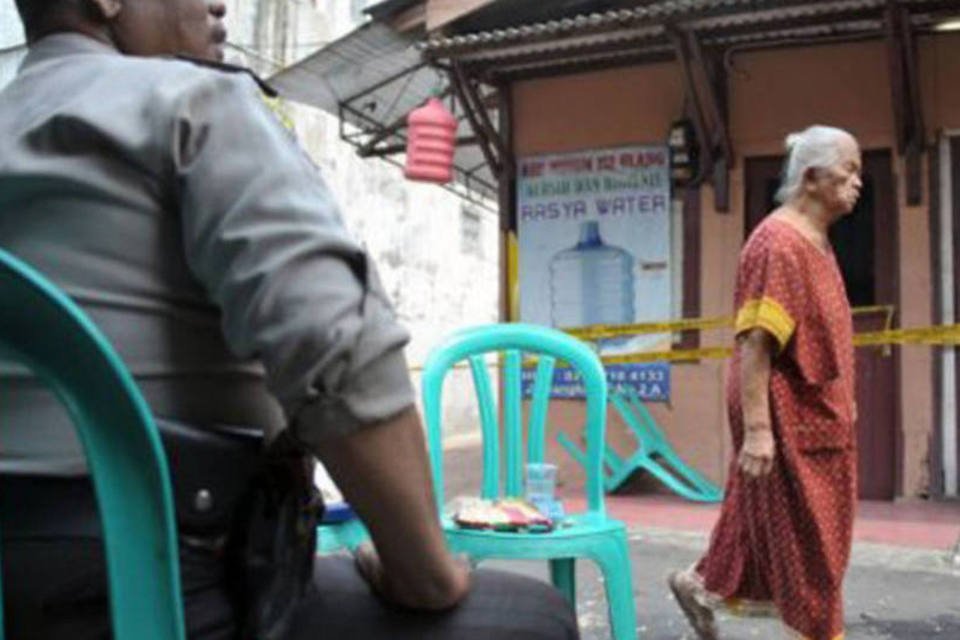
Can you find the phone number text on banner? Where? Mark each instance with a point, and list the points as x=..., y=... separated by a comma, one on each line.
x=650, y=381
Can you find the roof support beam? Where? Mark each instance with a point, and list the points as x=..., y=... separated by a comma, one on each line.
x=905, y=96
x=490, y=143
x=389, y=150
x=704, y=88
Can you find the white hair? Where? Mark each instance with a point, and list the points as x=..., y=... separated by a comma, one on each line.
x=815, y=147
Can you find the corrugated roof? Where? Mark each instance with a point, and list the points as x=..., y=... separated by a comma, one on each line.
x=638, y=33
x=657, y=12
x=374, y=76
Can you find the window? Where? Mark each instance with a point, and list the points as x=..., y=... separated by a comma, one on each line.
x=471, y=232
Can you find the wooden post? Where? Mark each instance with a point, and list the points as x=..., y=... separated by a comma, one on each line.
x=507, y=192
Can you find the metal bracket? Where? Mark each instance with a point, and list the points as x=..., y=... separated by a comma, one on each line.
x=494, y=149
x=708, y=111
x=369, y=148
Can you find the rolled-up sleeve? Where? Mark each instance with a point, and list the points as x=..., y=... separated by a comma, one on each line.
x=264, y=237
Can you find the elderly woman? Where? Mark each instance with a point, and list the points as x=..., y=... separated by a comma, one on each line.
x=783, y=539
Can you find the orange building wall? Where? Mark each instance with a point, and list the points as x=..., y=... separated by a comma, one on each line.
x=771, y=93
x=940, y=87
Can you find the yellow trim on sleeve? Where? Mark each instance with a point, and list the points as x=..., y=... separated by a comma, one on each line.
x=766, y=313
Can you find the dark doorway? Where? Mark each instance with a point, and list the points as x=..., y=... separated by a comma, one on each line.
x=865, y=243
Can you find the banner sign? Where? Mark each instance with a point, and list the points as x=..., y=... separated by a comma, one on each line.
x=595, y=249
x=650, y=381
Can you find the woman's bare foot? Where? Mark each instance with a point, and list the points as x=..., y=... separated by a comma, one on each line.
x=701, y=618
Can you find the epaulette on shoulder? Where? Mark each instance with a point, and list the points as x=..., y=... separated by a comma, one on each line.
x=231, y=68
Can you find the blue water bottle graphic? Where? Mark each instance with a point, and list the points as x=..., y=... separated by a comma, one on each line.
x=591, y=283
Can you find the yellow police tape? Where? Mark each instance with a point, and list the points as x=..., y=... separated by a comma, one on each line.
x=939, y=335
x=679, y=355
x=936, y=335
x=600, y=331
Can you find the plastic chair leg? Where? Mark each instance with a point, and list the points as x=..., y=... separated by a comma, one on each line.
x=615, y=469
x=710, y=491
x=670, y=480
x=2, y=636
x=611, y=459
x=563, y=577
x=348, y=535
x=613, y=558
x=575, y=452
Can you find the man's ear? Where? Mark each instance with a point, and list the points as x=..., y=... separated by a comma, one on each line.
x=106, y=9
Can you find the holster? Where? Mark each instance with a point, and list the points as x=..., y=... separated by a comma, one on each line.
x=254, y=506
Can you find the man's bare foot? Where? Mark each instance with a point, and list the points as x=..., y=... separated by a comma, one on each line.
x=701, y=618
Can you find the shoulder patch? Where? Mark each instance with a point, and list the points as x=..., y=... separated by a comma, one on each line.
x=264, y=86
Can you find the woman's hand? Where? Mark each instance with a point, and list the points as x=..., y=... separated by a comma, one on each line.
x=756, y=455
x=756, y=354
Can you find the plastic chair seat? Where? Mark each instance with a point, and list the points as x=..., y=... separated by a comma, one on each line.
x=589, y=534
x=541, y=546
x=342, y=534
x=599, y=539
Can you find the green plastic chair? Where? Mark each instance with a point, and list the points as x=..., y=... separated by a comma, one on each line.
x=588, y=534
x=653, y=455
x=43, y=330
x=346, y=534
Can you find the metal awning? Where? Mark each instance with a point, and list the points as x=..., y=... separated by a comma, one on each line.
x=371, y=79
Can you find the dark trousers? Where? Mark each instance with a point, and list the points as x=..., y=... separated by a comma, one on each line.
x=55, y=587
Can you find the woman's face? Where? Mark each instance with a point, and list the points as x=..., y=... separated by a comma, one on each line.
x=838, y=187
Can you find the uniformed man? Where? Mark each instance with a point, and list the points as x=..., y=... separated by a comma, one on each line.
x=163, y=196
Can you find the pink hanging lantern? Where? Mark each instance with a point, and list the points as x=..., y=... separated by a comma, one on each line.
x=431, y=140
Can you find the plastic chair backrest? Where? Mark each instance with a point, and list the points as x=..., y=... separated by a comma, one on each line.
x=515, y=340
x=43, y=330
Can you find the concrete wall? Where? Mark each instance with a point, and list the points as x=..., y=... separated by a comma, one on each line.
x=414, y=231
x=771, y=93
x=11, y=41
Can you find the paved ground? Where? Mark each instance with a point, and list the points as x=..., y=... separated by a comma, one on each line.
x=891, y=593
x=906, y=589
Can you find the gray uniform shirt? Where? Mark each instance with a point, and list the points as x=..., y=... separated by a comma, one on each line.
x=168, y=201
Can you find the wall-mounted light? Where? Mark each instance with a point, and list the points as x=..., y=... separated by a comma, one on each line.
x=684, y=152
x=951, y=24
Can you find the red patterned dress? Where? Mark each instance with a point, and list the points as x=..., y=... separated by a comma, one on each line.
x=783, y=541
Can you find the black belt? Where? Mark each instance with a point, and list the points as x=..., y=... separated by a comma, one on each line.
x=42, y=507
x=257, y=511
x=211, y=470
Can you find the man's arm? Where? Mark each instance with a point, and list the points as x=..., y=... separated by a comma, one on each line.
x=384, y=473
x=756, y=353
x=299, y=293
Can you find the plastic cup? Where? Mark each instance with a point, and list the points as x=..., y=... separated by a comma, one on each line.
x=541, y=480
